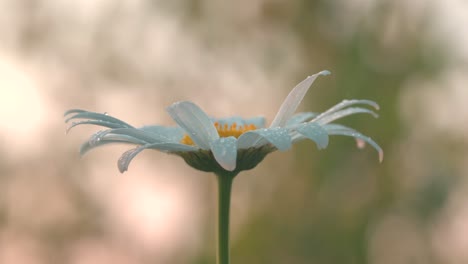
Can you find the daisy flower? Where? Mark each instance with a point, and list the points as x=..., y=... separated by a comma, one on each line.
x=226, y=145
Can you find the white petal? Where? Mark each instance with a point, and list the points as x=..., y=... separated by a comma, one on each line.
x=195, y=122
x=343, y=113
x=94, y=122
x=314, y=132
x=128, y=156
x=346, y=103
x=109, y=139
x=225, y=152
x=172, y=147
x=141, y=135
x=173, y=134
x=277, y=136
x=301, y=118
x=83, y=114
x=249, y=140
x=353, y=133
x=293, y=100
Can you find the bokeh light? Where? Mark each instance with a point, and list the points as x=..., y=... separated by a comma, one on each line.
x=133, y=58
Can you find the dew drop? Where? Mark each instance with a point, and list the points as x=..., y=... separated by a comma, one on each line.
x=360, y=143
x=95, y=138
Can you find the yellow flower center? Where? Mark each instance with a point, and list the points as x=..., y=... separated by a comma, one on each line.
x=224, y=131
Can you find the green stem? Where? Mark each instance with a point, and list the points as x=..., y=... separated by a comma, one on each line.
x=224, y=200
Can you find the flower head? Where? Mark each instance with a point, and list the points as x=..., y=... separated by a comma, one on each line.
x=227, y=145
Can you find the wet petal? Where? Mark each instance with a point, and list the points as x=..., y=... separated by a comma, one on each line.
x=141, y=135
x=225, y=152
x=195, y=122
x=336, y=126
x=174, y=134
x=95, y=122
x=277, y=136
x=82, y=114
x=353, y=133
x=74, y=111
x=359, y=142
x=249, y=140
x=347, y=103
x=172, y=147
x=127, y=157
x=314, y=132
x=293, y=100
x=301, y=118
x=110, y=139
x=343, y=113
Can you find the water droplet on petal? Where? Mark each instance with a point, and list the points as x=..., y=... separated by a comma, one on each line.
x=95, y=138
x=360, y=143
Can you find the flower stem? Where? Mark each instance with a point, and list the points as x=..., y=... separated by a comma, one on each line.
x=224, y=200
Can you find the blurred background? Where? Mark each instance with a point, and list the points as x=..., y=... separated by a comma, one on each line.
x=133, y=58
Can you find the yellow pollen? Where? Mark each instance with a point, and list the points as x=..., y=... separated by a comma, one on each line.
x=224, y=131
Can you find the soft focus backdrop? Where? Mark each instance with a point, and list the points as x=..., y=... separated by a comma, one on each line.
x=133, y=58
